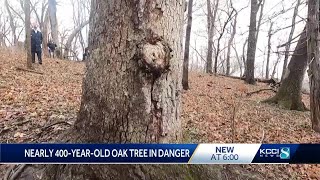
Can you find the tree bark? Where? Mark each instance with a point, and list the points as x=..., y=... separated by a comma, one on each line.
x=72, y=36
x=252, y=43
x=276, y=65
x=132, y=87
x=269, y=49
x=238, y=59
x=289, y=93
x=234, y=31
x=261, y=7
x=314, y=62
x=28, y=32
x=45, y=24
x=185, y=77
x=244, y=59
x=211, y=21
x=52, y=7
x=286, y=55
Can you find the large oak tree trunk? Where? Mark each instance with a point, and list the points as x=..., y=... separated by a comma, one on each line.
x=185, y=77
x=313, y=59
x=289, y=93
x=132, y=87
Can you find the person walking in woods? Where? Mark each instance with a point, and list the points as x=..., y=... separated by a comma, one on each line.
x=51, y=47
x=85, y=54
x=36, y=43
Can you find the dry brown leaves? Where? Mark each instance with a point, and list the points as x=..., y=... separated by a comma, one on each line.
x=29, y=102
x=207, y=115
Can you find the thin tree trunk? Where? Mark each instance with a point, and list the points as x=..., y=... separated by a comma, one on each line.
x=28, y=32
x=238, y=59
x=313, y=59
x=252, y=43
x=45, y=34
x=276, y=65
x=269, y=50
x=211, y=21
x=12, y=24
x=293, y=25
x=185, y=77
x=289, y=93
x=219, y=42
x=234, y=31
x=244, y=56
x=261, y=6
x=52, y=7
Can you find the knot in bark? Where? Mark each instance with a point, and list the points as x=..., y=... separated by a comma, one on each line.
x=156, y=56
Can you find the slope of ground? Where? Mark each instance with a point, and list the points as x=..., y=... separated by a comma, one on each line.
x=212, y=102
x=37, y=107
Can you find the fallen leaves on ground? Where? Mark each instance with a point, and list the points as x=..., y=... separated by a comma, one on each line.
x=208, y=108
x=29, y=102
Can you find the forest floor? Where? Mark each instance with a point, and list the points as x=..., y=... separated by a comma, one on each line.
x=38, y=107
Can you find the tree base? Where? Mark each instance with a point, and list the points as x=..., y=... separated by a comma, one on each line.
x=115, y=172
x=287, y=103
x=316, y=128
x=79, y=172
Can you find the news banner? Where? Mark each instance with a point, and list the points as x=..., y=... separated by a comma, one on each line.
x=160, y=153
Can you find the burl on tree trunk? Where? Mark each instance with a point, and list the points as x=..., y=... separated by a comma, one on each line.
x=132, y=87
x=289, y=93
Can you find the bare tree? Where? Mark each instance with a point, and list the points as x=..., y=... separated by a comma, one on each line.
x=28, y=32
x=72, y=36
x=12, y=23
x=211, y=18
x=289, y=93
x=4, y=30
x=223, y=29
x=234, y=31
x=52, y=7
x=238, y=60
x=252, y=43
x=244, y=59
x=314, y=62
x=275, y=66
x=185, y=77
x=269, y=49
x=293, y=25
x=261, y=7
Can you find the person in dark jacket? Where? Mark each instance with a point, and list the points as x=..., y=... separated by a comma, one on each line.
x=51, y=47
x=85, y=54
x=36, y=43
